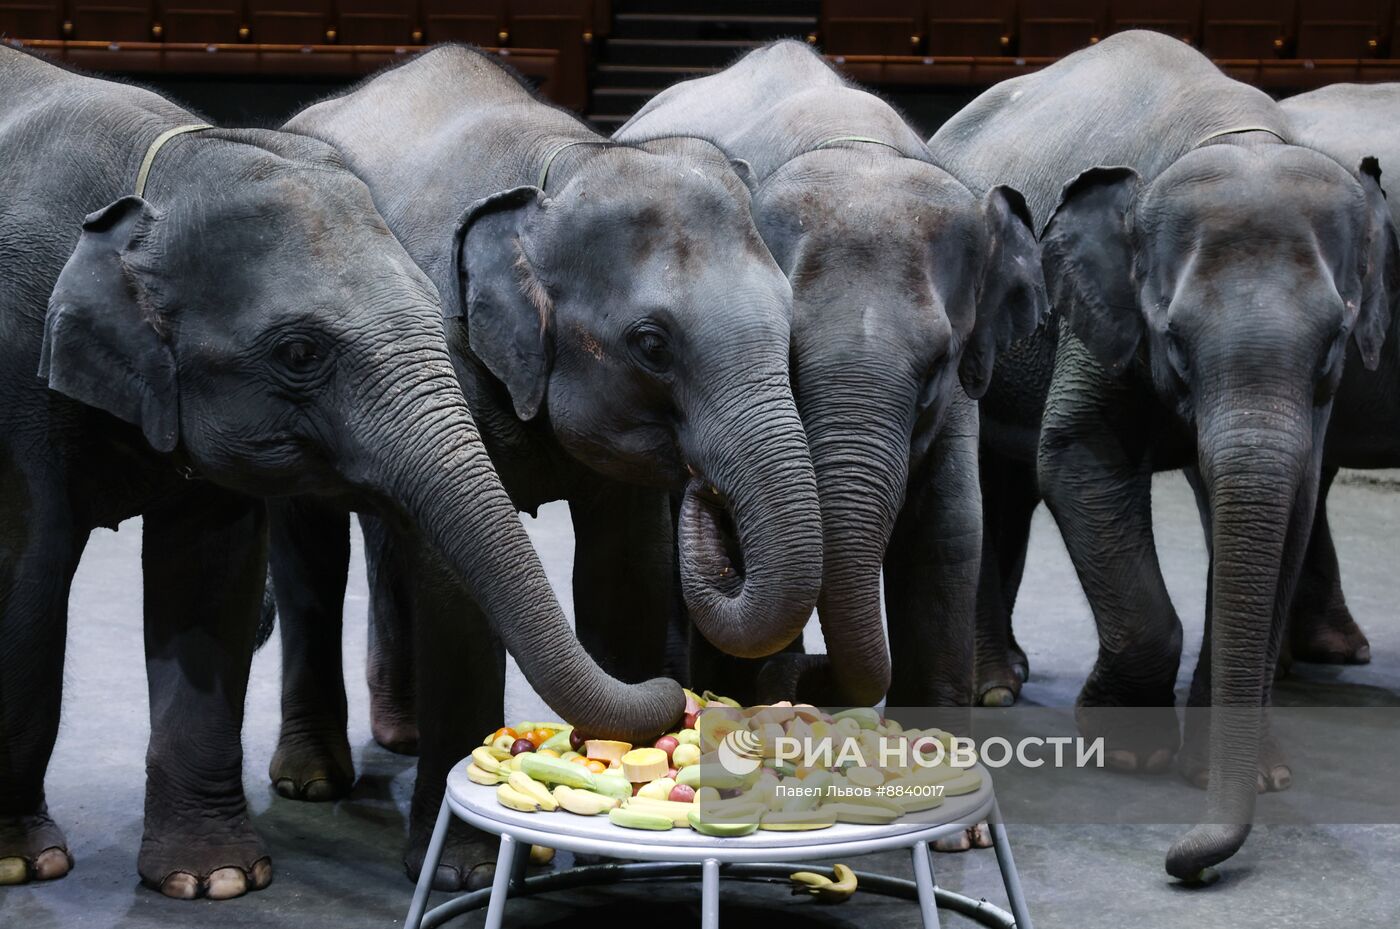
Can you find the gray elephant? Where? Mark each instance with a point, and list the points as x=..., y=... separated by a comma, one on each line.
x=1348, y=122
x=1208, y=278
x=905, y=287
x=242, y=324
x=620, y=331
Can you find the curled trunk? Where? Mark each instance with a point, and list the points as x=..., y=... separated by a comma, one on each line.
x=749, y=539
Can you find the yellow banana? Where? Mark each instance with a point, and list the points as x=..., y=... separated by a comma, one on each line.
x=583, y=802
x=477, y=775
x=513, y=799
x=797, y=820
x=824, y=888
x=534, y=790
x=484, y=760
x=808, y=881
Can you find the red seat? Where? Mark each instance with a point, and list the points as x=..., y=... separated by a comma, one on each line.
x=872, y=27
x=1247, y=28
x=480, y=22
x=563, y=25
x=1341, y=28
x=1059, y=27
x=112, y=21
x=1180, y=19
x=211, y=21
x=32, y=20
x=378, y=22
x=971, y=27
x=290, y=22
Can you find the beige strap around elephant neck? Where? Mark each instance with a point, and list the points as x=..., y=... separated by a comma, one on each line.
x=1232, y=131
x=160, y=141
x=868, y=140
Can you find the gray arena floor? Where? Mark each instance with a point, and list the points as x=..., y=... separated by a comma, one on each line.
x=337, y=865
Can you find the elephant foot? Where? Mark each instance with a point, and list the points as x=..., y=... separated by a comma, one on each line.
x=1273, y=771
x=32, y=848
x=312, y=766
x=1137, y=739
x=207, y=861
x=1333, y=640
x=998, y=684
x=978, y=836
x=1017, y=660
x=394, y=727
x=468, y=858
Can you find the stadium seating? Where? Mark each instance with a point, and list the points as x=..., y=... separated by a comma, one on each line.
x=970, y=27
x=377, y=22
x=209, y=21
x=481, y=22
x=1178, y=18
x=1058, y=27
x=1247, y=28
x=291, y=22
x=32, y=20
x=872, y=27
x=1341, y=28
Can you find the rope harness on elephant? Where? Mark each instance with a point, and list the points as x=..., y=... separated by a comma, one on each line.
x=549, y=160
x=156, y=146
x=1225, y=132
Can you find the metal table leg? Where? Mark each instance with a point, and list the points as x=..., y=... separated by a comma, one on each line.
x=430, y=863
x=500, y=886
x=923, y=879
x=1009, y=877
x=709, y=894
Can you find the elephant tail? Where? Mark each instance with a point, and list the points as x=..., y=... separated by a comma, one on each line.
x=267, y=615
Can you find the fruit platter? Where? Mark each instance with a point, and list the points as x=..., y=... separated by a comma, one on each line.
x=731, y=771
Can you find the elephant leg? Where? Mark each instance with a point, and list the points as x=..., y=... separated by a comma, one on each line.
x=624, y=594
x=1096, y=475
x=1321, y=628
x=461, y=697
x=389, y=666
x=931, y=573
x=310, y=557
x=1193, y=762
x=40, y=545
x=1009, y=499
x=204, y=561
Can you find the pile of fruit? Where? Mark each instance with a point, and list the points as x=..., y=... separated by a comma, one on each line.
x=551, y=766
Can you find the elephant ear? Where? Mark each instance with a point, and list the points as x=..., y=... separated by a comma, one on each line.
x=508, y=310
x=1011, y=299
x=1380, y=275
x=1087, y=253
x=104, y=343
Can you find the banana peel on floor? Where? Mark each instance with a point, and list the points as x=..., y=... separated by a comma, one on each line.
x=825, y=889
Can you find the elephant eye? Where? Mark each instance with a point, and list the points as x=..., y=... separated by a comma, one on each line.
x=651, y=346
x=298, y=354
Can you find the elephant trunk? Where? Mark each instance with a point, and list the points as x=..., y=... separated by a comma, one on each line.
x=861, y=455
x=749, y=537
x=436, y=476
x=1255, y=465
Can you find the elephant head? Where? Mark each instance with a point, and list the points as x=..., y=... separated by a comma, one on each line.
x=635, y=307
x=1233, y=283
x=262, y=324
x=905, y=287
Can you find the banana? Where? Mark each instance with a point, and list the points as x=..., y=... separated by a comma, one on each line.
x=824, y=888
x=479, y=775
x=711, y=774
x=797, y=820
x=534, y=790
x=862, y=813
x=659, y=789
x=582, y=802
x=555, y=771
x=809, y=881
x=541, y=854
x=865, y=717
x=673, y=808
x=513, y=799
x=559, y=742
x=723, y=830
x=486, y=761
x=639, y=819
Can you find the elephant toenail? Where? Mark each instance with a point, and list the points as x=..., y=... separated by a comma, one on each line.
x=1122, y=761
x=1201, y=780
x=447, y=877
x=286, y=787
x=1159, y=760
x=1282, y=778
x=319, y=791
x=261, y=873
x=53, y=863
x=13, y=871
x=1362, y=655
x=998, y=696
x=227, y=883
x=180, y=885
x=481, y=876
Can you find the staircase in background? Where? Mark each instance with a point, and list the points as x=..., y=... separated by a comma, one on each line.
x=655, y=43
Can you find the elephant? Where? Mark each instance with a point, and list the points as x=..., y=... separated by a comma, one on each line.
x=620, y=332
x=220, y=319
x=1207, y=279
x=1348, y=122
x=905, y=285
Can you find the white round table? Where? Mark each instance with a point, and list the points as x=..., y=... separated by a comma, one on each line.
x=754, y=856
